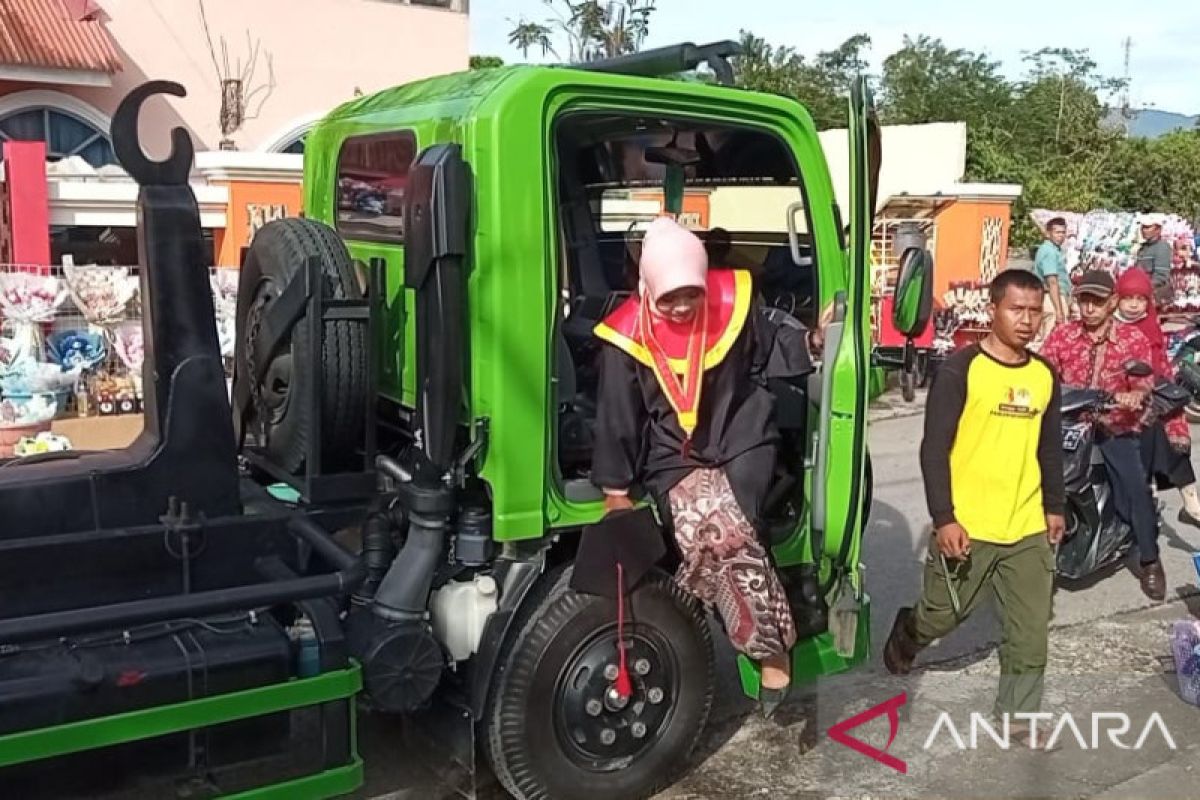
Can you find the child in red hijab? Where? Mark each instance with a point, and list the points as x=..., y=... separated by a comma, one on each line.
x=1167, y=444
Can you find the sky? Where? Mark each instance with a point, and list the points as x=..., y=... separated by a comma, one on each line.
x=1165, y=64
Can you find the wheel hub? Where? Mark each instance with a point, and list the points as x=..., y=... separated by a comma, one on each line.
x=599, y=729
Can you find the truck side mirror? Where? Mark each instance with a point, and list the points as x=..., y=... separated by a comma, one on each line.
x=913, y=305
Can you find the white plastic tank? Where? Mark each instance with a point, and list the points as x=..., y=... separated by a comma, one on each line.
x=459, y=610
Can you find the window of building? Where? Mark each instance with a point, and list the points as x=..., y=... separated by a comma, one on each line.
x=64, y=134
x=372, y=175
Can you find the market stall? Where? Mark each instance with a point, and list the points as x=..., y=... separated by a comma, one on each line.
x=1099, y=239
x=71, y=355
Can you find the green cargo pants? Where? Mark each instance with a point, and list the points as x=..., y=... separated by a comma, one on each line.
x=1021, y=576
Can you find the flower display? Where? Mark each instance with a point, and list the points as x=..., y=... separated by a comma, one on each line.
x=225, y=290
x=129, y=343
x=101, y=293
x=25, y=412
x=77, y=349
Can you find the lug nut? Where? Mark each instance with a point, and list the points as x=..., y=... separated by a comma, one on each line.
x=611, y=672
x=608, y=736
x=641, y=666
x=615, y=701
x=655, y=696
x=638, y=730
x=579, y=736
x=594, y=707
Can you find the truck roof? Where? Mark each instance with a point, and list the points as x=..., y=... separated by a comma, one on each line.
x=458, y=96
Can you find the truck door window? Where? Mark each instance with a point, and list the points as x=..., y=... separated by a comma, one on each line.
x=372, y=174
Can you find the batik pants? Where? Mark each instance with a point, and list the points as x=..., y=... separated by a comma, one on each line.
x=726, y=566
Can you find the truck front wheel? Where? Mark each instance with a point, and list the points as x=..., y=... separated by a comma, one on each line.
x=556, y=728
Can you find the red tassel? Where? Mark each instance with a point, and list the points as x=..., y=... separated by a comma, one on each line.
x=624, y=684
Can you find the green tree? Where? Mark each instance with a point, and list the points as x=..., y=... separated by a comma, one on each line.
x=1060, y=137
x=486, y=62
x=590, y=29
x=822, y=84
x=1157, y=174
x=926, y=81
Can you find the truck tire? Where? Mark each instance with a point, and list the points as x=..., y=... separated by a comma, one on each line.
x=276, y=259
x=549, y=713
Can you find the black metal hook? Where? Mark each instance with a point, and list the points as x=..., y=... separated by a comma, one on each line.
x=127, y=145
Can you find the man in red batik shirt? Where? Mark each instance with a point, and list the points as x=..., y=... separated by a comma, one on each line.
x=1093, y=352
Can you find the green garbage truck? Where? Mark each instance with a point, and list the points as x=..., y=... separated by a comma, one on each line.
x=384, y=512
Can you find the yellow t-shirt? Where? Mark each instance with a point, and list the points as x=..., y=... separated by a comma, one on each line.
x=992, y=452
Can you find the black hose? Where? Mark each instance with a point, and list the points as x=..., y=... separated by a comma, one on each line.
x=404, y=592
x=378, y=548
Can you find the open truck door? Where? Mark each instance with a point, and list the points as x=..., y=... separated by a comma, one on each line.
x=841, y=477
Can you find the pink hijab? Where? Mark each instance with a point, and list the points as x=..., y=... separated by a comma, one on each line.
x=672, y=258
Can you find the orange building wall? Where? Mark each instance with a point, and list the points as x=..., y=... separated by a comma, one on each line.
x=696, y=207
x=960, y=234
x=252, y=205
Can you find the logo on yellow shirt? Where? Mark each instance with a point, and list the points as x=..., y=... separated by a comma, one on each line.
x=1018, y=402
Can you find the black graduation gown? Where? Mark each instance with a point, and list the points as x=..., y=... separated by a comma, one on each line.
x=639, y=441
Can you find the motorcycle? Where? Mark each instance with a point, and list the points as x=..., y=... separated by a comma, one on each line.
x=1096, y=538
x=1183, y=349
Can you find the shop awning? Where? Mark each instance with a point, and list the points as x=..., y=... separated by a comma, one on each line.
x=56, y=41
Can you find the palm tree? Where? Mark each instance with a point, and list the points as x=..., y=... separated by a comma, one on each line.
x=593, y=29
x=527, y=35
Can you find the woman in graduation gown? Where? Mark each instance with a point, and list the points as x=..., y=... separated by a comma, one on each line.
x=684, y=411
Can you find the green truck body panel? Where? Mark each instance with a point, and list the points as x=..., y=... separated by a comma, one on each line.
x=134, y=726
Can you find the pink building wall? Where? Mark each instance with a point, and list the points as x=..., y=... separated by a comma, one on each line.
x=322, y=51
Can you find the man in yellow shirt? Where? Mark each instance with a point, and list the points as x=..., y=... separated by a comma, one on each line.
x=991, y=459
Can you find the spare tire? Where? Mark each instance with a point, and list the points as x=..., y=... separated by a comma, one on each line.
x=280, y=401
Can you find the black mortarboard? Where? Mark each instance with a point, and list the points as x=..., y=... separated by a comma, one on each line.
x=630, y=538
x=614, y=554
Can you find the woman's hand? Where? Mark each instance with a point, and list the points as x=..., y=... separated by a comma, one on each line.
x=817, y=335
x=616, y=502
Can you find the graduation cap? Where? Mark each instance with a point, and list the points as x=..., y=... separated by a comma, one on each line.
x=614, y=555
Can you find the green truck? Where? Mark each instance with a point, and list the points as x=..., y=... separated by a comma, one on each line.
x=386, y=511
